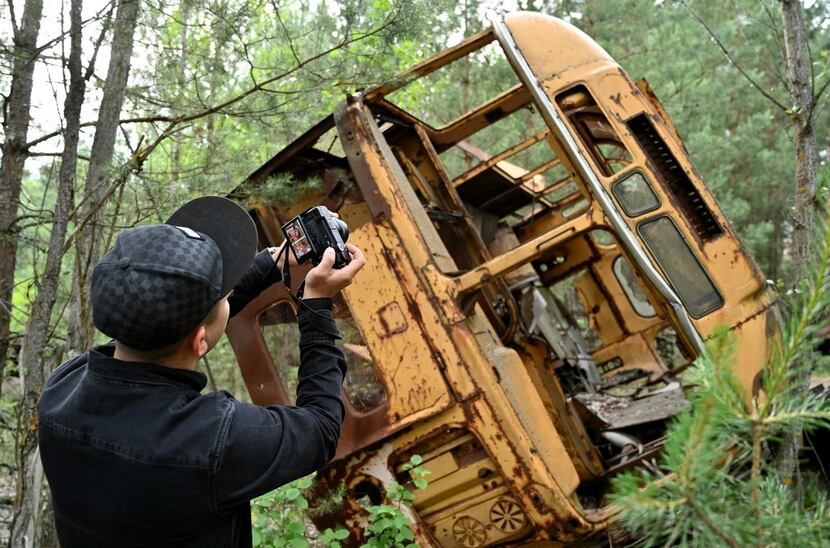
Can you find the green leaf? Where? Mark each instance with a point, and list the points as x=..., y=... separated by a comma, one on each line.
x=296, y=528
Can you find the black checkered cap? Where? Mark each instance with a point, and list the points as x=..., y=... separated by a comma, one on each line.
x=156, y=285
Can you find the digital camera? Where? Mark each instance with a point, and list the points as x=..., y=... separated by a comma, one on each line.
x=312, y=231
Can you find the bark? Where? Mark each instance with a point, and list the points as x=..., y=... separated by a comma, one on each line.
x=32, y=520
x=16, y=107
x=775, y=248
x=800, y=86
x=88, y=238
x=181, y=80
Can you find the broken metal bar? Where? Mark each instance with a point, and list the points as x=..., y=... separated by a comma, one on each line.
x=501, y=156
x=541, y=169
x=522, y=254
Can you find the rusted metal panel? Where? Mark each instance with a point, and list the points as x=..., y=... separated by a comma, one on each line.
x=352, y=146
x=619, y=412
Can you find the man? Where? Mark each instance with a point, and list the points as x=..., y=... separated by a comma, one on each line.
x=135, y=455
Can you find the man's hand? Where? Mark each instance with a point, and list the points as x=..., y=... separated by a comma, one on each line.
x=325, y=281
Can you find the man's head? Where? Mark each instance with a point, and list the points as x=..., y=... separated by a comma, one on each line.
x=185, y=352
x=163, y=287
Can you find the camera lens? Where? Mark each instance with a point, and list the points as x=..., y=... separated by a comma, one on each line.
x=342, y=228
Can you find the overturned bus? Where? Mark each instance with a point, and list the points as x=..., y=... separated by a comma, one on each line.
x=525, y=310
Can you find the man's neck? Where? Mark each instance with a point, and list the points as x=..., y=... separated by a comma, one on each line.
x=175, y=360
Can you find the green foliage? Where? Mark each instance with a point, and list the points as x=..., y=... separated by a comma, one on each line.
x=278, y=519
x=388, y=524
x=283, y=188
x=330, y=538
x=206, y=56
x=716, y=482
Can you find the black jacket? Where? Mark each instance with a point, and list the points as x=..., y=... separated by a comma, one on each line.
x=137, y=456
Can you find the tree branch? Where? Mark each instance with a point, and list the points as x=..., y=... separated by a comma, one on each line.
x=258, y=86
x=13, y=17
x=90, y=69
x=772, y=26
x=819, y=93
x=732, y=60
x=49, y=43
x=710, y=523
x=57, y=155
x=138, y=120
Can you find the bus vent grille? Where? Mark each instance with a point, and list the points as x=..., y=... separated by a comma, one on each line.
x=686, y=196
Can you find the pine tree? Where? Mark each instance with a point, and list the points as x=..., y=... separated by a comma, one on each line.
x=716, y=482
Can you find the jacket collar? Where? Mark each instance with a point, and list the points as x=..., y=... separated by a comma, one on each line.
x=103, y=364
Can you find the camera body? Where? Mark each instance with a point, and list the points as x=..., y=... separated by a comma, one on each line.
x=312, y=231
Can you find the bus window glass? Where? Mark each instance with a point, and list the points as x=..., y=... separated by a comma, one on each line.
x=632, y=288
x=682, y=268
x=603, y=238
x=635, y=195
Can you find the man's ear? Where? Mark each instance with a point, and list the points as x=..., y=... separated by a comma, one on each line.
x=198, y=341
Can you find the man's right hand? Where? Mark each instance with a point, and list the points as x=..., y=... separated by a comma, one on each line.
x=325, y=281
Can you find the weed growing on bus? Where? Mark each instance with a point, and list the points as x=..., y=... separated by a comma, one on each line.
x=278, y=519
x=284, y=188
x=388, y=524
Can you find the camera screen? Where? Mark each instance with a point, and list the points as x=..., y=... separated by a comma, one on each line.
x=297, y=238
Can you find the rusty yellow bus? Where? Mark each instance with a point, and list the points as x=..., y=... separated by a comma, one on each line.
x=527, y=305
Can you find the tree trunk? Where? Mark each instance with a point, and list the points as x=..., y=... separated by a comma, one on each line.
x=801, y=93
x=88, y=239
x=804, y=139
x=16, y=127
x=181, y=80
x=775, y=248
x=33, y=521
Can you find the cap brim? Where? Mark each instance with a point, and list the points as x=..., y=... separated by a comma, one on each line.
x=227, y=224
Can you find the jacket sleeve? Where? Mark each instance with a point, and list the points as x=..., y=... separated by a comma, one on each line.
x=266, y=447
x=262, y=274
